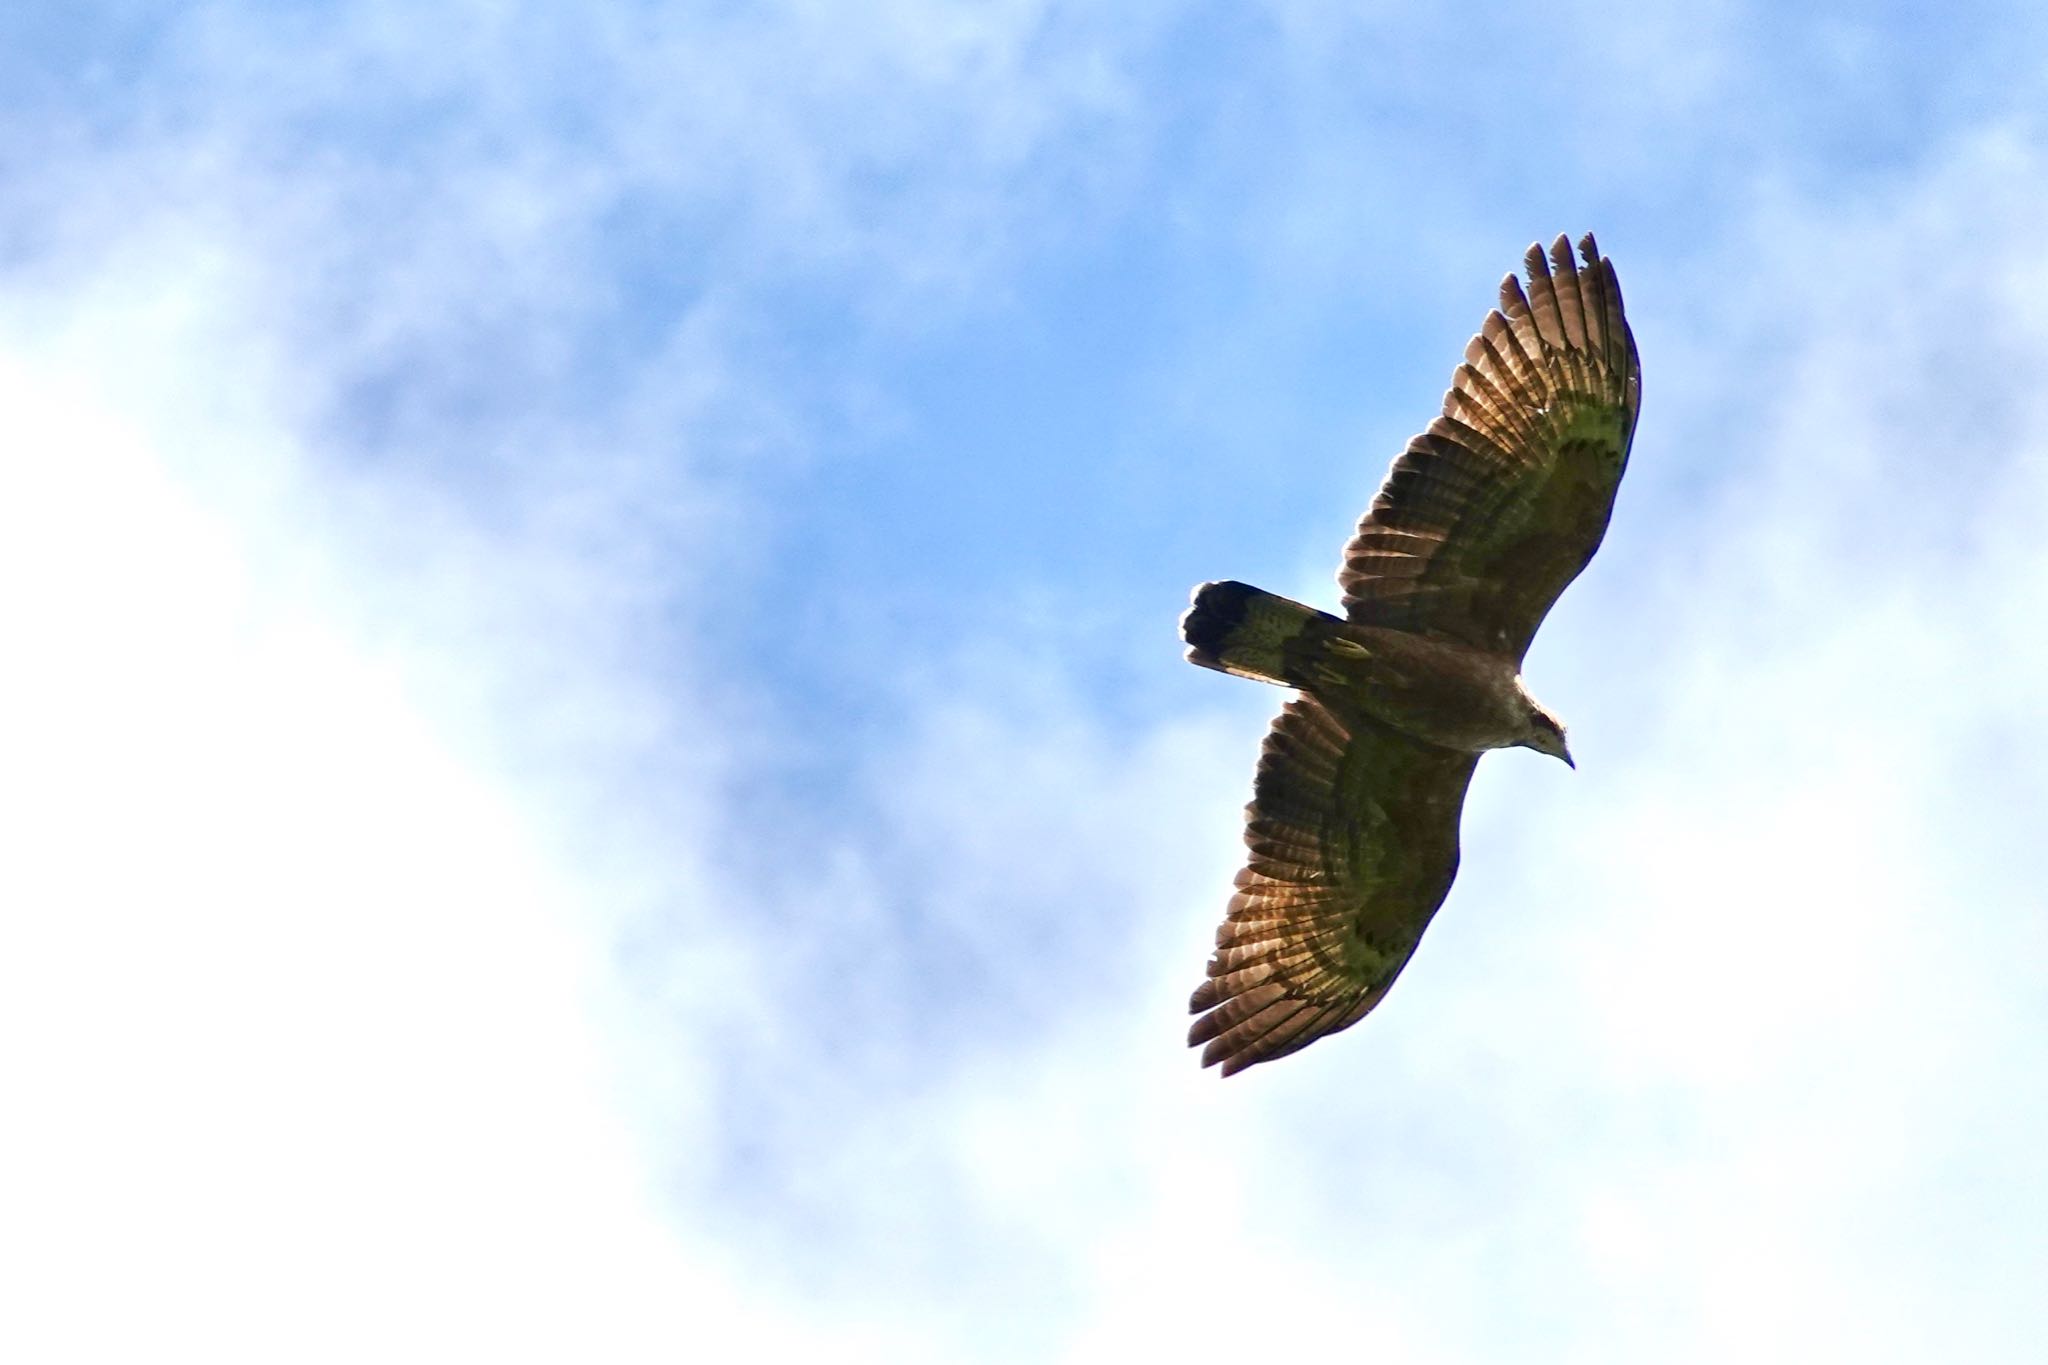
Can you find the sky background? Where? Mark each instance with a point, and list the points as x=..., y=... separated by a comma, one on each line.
x=594, y=761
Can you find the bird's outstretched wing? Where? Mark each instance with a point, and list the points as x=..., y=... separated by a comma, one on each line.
x=1486, y=516
x=1353, y=832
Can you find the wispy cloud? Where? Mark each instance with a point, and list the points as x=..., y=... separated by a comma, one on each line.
x=443, y=928
x=393, y=399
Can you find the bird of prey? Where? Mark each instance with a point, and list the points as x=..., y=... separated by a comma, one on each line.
x=1482, y=521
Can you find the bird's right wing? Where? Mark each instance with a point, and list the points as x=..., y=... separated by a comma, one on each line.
x=1486, y=516
x=1353, y=832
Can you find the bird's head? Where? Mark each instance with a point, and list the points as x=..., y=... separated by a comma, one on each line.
x=1546, y=734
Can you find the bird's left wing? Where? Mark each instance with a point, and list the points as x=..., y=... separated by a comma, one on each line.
x=1353, y=833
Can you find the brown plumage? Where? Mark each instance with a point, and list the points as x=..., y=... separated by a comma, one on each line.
x=1482, y=521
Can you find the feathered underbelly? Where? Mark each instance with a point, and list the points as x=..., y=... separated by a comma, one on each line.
x=1446, y=695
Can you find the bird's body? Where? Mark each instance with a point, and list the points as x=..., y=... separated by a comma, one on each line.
x=1437, y=691
x=1483, y=520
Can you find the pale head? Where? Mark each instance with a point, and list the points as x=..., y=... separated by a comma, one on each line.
x=1545, y=731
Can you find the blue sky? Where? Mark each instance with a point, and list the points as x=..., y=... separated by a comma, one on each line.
x=597, y=761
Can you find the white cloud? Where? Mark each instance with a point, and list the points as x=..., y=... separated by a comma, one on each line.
x=294, y=1008
x=1721, y=1045
x=341, y=765
x=338, y=789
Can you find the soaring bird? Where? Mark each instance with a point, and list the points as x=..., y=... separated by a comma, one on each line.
x=1482, y=521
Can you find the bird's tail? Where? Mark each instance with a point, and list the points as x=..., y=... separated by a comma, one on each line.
x=1236, y=628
